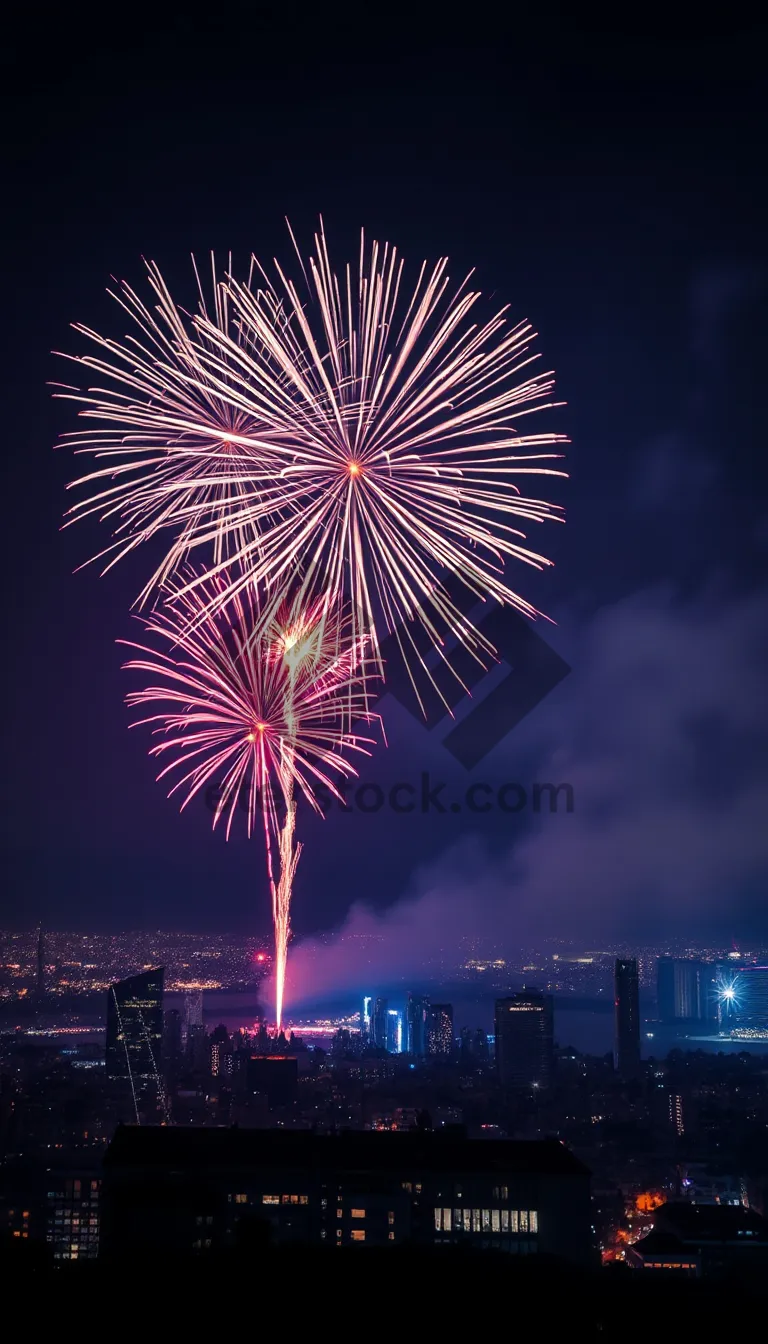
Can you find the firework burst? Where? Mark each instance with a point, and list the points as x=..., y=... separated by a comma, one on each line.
x=371, y=437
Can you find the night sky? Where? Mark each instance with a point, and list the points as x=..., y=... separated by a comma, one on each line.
x=610, y=186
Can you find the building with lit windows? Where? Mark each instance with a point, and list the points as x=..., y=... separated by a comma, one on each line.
x=440, y=1030
x=525, y=1036
x=186, y=1191
x=72, y=1224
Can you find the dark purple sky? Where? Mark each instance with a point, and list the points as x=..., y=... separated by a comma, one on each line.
x=608, y=186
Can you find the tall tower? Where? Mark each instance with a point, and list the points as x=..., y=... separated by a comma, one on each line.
x=525, y=1041
x=40, y=983
x=416, y=1025
x=627, y=999
x=135, y=1035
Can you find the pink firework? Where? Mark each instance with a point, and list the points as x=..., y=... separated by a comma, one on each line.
x=262, y=716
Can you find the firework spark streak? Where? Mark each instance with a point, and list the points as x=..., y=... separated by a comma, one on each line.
x=250, y=713
x=371, y=436
x=171, y=440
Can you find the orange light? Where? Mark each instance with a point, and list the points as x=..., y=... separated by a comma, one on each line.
x=354, y=468
x=259, y=728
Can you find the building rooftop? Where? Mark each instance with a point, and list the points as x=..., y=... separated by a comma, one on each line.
x=691, y=1223
x=162, y=1146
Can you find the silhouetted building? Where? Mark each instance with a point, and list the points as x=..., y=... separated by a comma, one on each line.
x=686, y=990
x=416, y=1023
x=275, y=1077
x=192, y=1013
x=440, y=1030
x=627, y=1002
x=135, y=1032
x=198, y=1049
x=182, y=1191
x=173, y=1055
x=525, y=1037
x=703, y=1240
x=380, y=1023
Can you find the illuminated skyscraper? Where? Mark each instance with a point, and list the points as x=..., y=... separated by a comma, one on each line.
x=440, y=1030
x=135, y=1032
x=366, y=1021
x=525, y=1041
x=395, y=1033
x=627, y=1004
x=416, y=1021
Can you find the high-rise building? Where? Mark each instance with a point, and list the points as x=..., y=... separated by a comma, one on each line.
x=395, y=1033
x=192, y=1013
x=440, y=1030
x=380, y=1023
x=366, y=1020
x=627, y=1002
x=525, y=1041
x=173, y=1054
x=686, y=989
x=135, y=1031
x=416, y=1021
x=745, y=994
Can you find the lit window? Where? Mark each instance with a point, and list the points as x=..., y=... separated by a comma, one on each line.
x=242, y=1199
x=533, y=1220
x=417, y=1189
x=446, y=1220
x=513, y=1220
x=303, y=1199
x=391, y=1236
x=523, y=1220
x=338, y=1232
x=390, y=1217
x=504, y=1192
x=357, y=1213
x=466, y=1215
x=475, y=1220
x=358, y=1234
x=486, y=1220
x=323, y=1203
x=505, y=1220
x=270, y=1199
x=457, y=1219
x=495, y=1221
x=408, y=1186
x=339, y=1213
x=438, y=1219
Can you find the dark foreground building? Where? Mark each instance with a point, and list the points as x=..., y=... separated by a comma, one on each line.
x=186, y=1191
x=708, y=1240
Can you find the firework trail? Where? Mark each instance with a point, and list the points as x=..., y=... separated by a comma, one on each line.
x=376, y=441
x=263, y=718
